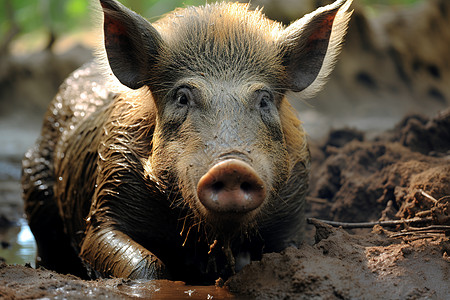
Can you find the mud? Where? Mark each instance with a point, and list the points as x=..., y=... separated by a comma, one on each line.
x=345, y=266
x=24, y=282
x=360, y=180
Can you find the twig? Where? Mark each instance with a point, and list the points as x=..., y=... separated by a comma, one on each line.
x=392, y=223
x=417, y=234
x=412, y=237
x=428, y=195
x=316, y=200
x=442, y=198
x=424, y=213
x=429, y=228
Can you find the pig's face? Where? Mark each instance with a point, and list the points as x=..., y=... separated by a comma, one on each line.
x=218, y=75
x=222, y=143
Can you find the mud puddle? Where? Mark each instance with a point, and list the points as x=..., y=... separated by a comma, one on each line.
x=23, y=282
x=164, y=289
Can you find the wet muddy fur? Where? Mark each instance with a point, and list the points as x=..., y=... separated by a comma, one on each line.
x=110, y=187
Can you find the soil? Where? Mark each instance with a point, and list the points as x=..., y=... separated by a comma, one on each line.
x=397, y=178
x=351, y=266
x=356, y=180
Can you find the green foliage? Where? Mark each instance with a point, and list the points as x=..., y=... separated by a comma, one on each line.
x=63, y=16
x=153, y=9
x=56, y=15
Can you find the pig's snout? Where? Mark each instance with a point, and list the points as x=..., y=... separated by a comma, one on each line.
x=231, y=186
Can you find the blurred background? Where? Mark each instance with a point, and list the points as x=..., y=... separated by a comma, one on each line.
x=396, y=61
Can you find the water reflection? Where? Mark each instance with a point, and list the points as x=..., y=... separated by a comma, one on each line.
x=166, y=289
x=17, y=244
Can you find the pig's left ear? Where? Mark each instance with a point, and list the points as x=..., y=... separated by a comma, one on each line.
x=312, y=44
x=132, y=44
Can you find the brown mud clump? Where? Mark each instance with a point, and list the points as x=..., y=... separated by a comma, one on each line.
x=344, y=266
x=387, y=178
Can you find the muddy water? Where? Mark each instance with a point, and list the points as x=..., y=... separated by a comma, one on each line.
x=17, y=244
x=18, y=247
x=164, y=289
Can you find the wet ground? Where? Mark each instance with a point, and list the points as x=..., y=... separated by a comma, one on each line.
x=22, y=282
x=17, y=244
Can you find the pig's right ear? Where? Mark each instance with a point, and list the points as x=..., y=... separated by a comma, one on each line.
x=132, y=44
x=312, y=44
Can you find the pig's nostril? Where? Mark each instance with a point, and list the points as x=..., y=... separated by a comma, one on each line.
x=231, y=186
x=246, y=187
x=217, y=186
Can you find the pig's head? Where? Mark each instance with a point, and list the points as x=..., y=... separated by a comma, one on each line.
x=217, y=76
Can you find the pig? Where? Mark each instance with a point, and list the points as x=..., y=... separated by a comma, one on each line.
x=177, y=155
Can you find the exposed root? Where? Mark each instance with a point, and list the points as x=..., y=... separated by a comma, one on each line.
x=428, y=223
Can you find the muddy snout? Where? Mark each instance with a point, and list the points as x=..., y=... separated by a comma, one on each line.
x=231, y=186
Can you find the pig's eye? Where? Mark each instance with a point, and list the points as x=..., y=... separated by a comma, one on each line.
x=183, y=96
x=264, y=99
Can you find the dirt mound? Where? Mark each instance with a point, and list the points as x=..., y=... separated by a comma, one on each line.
x=21, y=282
x=424, y=135
x=344, y=266
x=361, y=180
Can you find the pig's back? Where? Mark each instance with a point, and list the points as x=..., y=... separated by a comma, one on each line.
x=81, y=94
x=68, y=120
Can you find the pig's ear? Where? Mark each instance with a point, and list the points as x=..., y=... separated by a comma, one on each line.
x=132, y=44
x=312, y=44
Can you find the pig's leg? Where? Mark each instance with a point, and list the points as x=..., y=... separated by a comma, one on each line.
x=112, y=253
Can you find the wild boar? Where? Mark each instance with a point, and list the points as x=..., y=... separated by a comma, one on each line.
x=195, y=168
